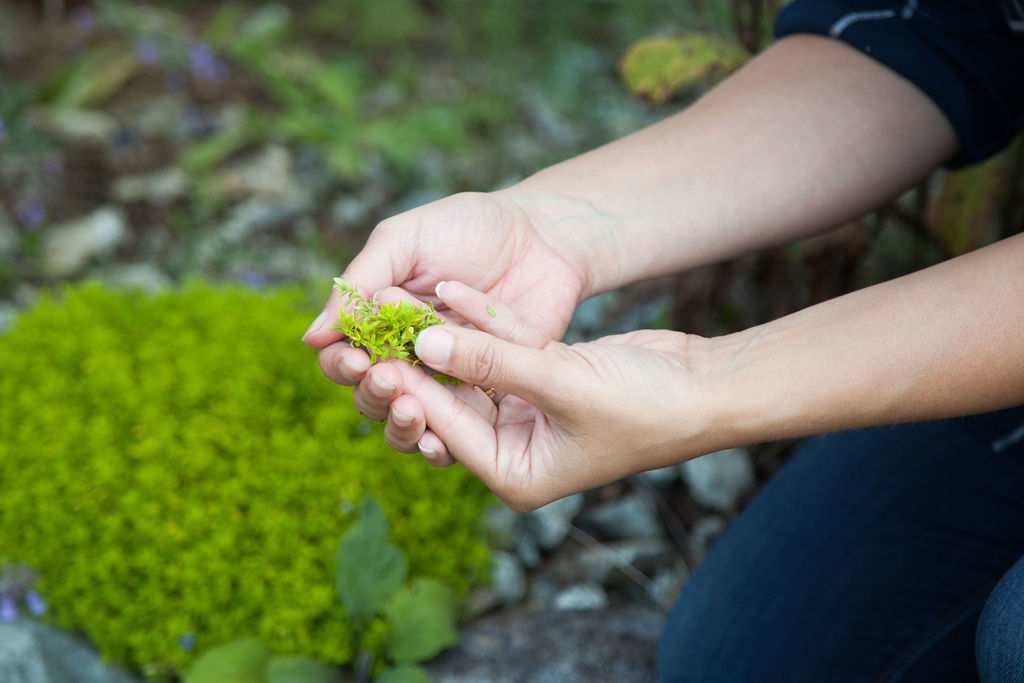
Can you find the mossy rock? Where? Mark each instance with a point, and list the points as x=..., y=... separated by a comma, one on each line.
x=178, y=470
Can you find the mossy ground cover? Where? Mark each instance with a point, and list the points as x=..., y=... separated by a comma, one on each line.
x=179, y=471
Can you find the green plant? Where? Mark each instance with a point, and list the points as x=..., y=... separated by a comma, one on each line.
x=399, y=622
x=178, y=471
x=385, y=330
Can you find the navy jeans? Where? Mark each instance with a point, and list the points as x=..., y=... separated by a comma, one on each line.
x=888, y=554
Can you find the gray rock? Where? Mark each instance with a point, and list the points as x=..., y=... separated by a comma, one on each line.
x=614, y=644
x=254, y=215
x=705, y=532
x=268, y=172
x=81, y=126
x=720, y=479
x=508, y=578
x=503, y=525
x=68, y=247
x=550, y=524
x=614, y=563
x=632, y=516
x=164, y=116
x=582, y=596
x=143, y=276
x=159, y=187
x=31, y=652
x=659, y=478
x=667, y=584
x=8, y=314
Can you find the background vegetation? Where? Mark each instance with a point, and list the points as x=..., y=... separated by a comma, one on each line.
x=172, y=464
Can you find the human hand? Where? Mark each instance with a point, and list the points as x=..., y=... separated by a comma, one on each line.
x=568, y=418
x=489, y=241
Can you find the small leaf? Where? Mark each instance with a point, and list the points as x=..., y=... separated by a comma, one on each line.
x=422, y=617
x=491, y=312
x=240, y=661
x=299, y=669
x=367, y=568
x=403, y=674
x=657, y=68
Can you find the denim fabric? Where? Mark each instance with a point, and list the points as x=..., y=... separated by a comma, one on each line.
x=1000, y=644
x=869, y=557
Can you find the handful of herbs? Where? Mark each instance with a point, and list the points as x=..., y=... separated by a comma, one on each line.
x=385, y=330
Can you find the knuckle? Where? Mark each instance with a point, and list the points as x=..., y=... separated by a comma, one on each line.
x=485, y=364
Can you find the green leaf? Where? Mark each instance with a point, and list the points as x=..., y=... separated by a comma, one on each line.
x=657, y=68
x=422, y=617
x=92, y=79
x=299, y=669
x=367, y=568
x=240, y=661
x=403, y=674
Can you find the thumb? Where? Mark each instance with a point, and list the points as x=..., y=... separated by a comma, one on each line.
x=487, y=361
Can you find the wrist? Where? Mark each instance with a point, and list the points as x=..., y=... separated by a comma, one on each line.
x=586, y=237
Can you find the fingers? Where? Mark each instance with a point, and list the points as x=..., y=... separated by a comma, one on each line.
x=480, y=358
x=489, y=315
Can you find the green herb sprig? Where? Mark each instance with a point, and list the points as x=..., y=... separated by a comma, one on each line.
x=385, y=330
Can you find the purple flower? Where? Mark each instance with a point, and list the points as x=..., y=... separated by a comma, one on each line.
x=32, y=213
x=3, y=129
x=53, y=165
x=36, y=604
x=147, y=52
x=187, y=641
x=83, y=19
x=254, y=279
x=8, y=610
x=206, y=64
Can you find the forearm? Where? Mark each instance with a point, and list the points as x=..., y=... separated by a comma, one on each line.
x=945, y=341
x=809, y=134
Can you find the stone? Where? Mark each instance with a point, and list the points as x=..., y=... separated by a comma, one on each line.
x=582, y=596
x=550, y=524
x=8, y=314
x=508, y=578
x=68, y=247
x=705, y=532
x=667, y=584
x=32, y=652
x=659, y=478
x=612, y=563
x=267, y=172
x=81, y=126
x=160, y=188
x=611, y=644
x=144, y=276
x=631, y=516
x=719, y=480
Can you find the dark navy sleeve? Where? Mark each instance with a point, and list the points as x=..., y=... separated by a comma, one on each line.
x=966, y=55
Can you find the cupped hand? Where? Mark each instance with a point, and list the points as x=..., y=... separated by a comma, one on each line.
x=566, y=418
x=489, y=241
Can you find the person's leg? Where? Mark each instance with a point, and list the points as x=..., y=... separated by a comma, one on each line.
x=867, y=558
x=1000, y=642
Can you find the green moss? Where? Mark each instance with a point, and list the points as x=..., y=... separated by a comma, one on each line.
x=177, y=464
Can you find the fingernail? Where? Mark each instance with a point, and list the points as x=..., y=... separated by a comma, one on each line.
x=382, y=387
x=437, y=288
x=317, y=324
x=428, y=453
x=400, y=419
x=434, y=347
x=351, y=368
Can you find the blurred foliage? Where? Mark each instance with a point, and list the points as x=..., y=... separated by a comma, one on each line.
x=658, y=68
x=175, y=470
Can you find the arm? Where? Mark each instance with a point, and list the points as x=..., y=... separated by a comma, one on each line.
x=945, y=341
x=809, y=134
x=942, y=342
